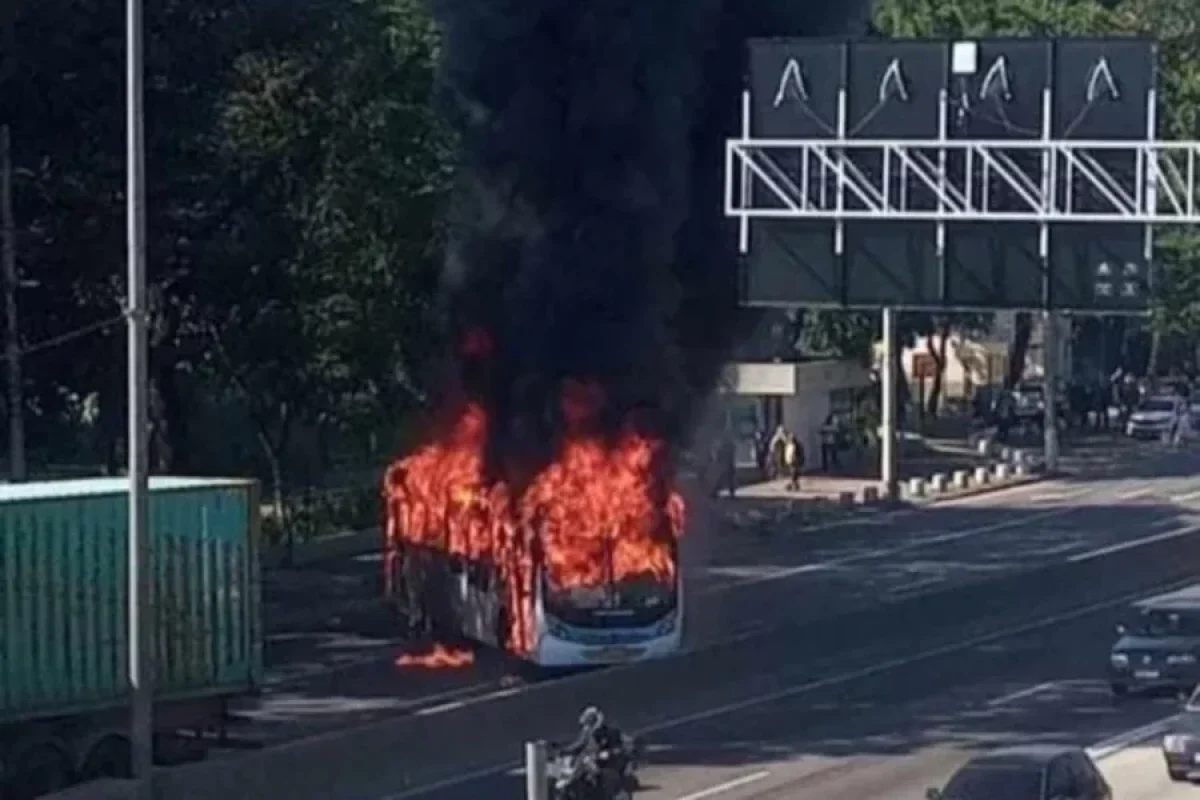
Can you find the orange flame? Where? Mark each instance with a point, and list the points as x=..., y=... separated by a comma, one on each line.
x=438, y=657
x=599, y=512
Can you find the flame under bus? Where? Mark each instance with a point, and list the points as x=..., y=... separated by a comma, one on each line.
x=617, y=622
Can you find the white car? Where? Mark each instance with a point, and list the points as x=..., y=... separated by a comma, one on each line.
x=1153, y=419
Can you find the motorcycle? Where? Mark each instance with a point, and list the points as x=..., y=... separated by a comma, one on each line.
x=576, y=777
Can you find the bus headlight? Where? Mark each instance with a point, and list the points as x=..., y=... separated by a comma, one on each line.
x=1119, y=660
x=1174, y=743
x=1181, y=658
x=665, y=625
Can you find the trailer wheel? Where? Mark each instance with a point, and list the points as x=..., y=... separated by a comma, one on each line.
x=109, y=757
x=40, y=767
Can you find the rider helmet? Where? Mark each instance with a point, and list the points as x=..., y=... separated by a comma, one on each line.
x=591, y=718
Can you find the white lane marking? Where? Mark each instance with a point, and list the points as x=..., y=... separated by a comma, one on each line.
x=1042, y=497
x=1021, y=694
x=824, y=683
x=1031, y=691
x=916, y=586
x=1115, y=744
x=721, y=788
x=884, y=552
x=430, y=711
x=1130, y=545
x=1184, y=498
x=1130, y=494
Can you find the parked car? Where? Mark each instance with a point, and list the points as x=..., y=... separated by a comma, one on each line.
x=1153, y=418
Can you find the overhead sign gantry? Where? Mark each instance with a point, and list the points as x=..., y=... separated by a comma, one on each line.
x=1003, y=173
x=1020, y=174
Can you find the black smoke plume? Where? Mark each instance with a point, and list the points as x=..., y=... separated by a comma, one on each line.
x=587, y=238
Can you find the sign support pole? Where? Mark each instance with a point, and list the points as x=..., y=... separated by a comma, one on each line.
x=887, y=403
x=1050, y=355
x=1049, y=317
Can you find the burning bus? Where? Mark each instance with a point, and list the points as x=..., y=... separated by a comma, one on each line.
x=578, y=567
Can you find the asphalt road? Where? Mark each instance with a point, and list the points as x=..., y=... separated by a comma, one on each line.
x=915, y=667
x=889, y=727
x=330, y=673
x=903, y=615
x=1137, y=773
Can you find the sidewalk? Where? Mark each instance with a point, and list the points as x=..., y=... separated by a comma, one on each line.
x=916, y=457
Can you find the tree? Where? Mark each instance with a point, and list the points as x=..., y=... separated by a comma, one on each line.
x=1173, y=24
x=322, y=307
x=937, y=330
x=295, y=170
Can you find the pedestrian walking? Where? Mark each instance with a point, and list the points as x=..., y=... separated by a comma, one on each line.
x=775, y=449
x=793, y=457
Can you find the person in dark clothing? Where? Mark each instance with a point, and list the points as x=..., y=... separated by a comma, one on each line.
x=1003, y=414
x=830, y=434
x=600, y=741
x=727, y=465
x=762, y=454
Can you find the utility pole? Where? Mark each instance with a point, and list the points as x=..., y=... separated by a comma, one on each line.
x=12, y=329
x=141, y=600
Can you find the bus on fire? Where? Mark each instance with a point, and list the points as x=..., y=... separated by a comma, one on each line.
x=582, y=569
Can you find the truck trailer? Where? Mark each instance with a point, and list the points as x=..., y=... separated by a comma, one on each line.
x=64, y=691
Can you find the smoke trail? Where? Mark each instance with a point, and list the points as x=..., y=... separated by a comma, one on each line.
x=587, y=239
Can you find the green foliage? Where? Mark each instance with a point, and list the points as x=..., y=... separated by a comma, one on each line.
x=847, y=334
x=295, y=170
x=308, y=515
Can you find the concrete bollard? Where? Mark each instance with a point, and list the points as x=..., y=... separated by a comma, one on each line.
x=961, y=479
x=939, y=482
x=870, y=494
x=1020, y=470
x=1006, y=454
x=1020, y=457
x=537, y=780
x=916, y=487
x=845, y=499
x=1001, y=472
x=982, y=476
x=984, y=447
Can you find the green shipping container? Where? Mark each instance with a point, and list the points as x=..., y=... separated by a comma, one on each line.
x=63, y=590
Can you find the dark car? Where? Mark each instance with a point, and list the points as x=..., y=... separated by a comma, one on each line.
x=1159, y=646
x=1030, y=401
x=1181, y=742
x=1031, y=772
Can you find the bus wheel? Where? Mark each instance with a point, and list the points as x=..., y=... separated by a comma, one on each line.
x=110, y=757
x=40, y=767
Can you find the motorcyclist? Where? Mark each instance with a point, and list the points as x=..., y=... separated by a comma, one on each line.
x=603, y=742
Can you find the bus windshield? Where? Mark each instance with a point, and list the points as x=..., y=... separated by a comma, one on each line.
x=628, y=603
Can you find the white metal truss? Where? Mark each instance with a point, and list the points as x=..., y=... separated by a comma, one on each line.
x=952, y=180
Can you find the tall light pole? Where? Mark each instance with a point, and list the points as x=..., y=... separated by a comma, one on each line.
x=141, y=611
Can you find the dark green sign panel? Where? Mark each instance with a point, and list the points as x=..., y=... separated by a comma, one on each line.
x=893, y=90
